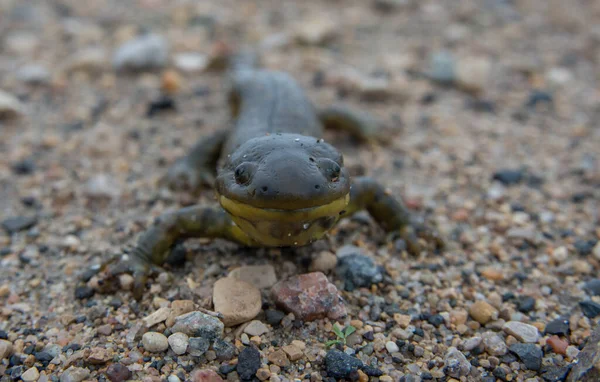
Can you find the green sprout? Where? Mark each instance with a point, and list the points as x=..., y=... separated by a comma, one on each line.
x=342, y=335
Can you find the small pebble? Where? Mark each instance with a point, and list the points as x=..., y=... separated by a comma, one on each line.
x=142, y=53
x=155, y=342
x=456, y=364
x=256, y=328
x=178, y=343
x=117, y=372
x=523, y=332
x=309, y=296
x=248, y=363
x=483, y=312
x=530, y=354
x=237, y=300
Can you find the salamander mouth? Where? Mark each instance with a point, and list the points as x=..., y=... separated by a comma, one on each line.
x=248, y=211
x=278, y=227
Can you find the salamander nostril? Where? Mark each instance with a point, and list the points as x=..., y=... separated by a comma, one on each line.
x=264, y=188
x=317, y=187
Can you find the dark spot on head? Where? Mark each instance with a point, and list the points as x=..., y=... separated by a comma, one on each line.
x=317, y=187
x=265, y=188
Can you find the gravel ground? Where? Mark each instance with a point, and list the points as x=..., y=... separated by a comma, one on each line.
x=492, y=109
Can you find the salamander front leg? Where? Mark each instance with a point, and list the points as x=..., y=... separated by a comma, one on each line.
x=154, y=245
x=390, y=213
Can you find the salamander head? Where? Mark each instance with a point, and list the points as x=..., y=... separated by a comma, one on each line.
x=284, y=189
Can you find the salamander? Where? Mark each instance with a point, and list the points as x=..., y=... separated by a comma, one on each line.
x=278, y=183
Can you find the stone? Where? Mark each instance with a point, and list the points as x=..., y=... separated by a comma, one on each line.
x=155, y=342
x=279, y=358
x=178, y=343
x=157, y=317
x=521, y=331
x=324, y=262
x=508, y=177
x=471, y=343
x=88, y=60
x=590, y=308
x=6, y=349
x=293, y=352
x=18, y=223
x=74, y=374
x=224, y=350
x=101, y=186
x=198, y=324
x=442, y=67
x=205, y=375
x=529, y=354
x=483, y=312
x=358, y=271
x=10, y=106
x=261, y=276
x=456, y=364
x=178, y=308
x=560, y=327
x=316, y=30
x=197, y=346
x=558, y=345
x=341, y=365
x=525, y=304
x=191, y=62
x=274, y=317
x=309, y=296
x=494, y=344
x=30, y=375
x=392, y=347
x=248, y=363
x=256, y=328
x=473, y=73
x=105, y=330
x=33, y=74
x=587, y=364
x=99, y=356
x=237, y=300
x=142, y=53
x=117, y=372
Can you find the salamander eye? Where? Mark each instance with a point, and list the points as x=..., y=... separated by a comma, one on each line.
x=330, y=169
x=244, y=172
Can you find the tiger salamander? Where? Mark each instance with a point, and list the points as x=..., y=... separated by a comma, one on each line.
x=278, y=182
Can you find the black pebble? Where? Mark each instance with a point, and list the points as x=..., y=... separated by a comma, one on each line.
x=23, y=167
x=163, y=103
x=539, y=97
x=560, y=327
x=482, y=106
x=369, y=336
x=530, y=354
x=436, y=320
x=3, y=335
x=419, y=332
x=274, y=317
x=585, y=247
x=508, y=177
x=248, y=363
x=43, y=356
x=525, y=304
x=556, y=373
x=590, y=309
x=592, y=287
x=18, y=223
x=83, y=292
x=226, y=369
x=339, y=364
x=499, y=373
